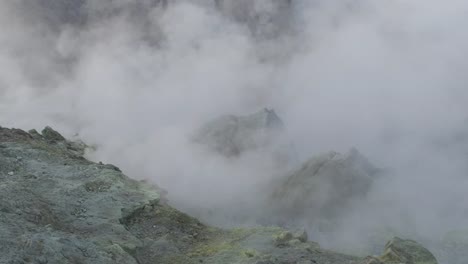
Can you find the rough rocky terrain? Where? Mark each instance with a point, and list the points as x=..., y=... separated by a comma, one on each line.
x=58, y=207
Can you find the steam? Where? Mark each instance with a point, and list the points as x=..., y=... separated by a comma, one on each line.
x=136, y=79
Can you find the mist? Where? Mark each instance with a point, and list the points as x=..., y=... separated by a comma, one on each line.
x=135, y=79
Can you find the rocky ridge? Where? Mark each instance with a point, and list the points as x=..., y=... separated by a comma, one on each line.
x=58, y=207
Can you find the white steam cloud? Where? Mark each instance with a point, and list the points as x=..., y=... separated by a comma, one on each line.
x=136, y=79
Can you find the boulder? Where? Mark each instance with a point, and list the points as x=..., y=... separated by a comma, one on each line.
x=400, y=251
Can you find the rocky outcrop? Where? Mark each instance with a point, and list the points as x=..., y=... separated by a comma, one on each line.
x=233, y=136
x=58, y=207
x=324, y=187
x=400, y=251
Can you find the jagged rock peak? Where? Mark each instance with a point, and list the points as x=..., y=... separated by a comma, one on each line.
x=266, y=118
x=50, y=134
x=232, y=136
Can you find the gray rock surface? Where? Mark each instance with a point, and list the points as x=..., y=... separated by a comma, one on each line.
x=57, y=207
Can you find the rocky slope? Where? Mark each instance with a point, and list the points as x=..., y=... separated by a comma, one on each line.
x=58, y=207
